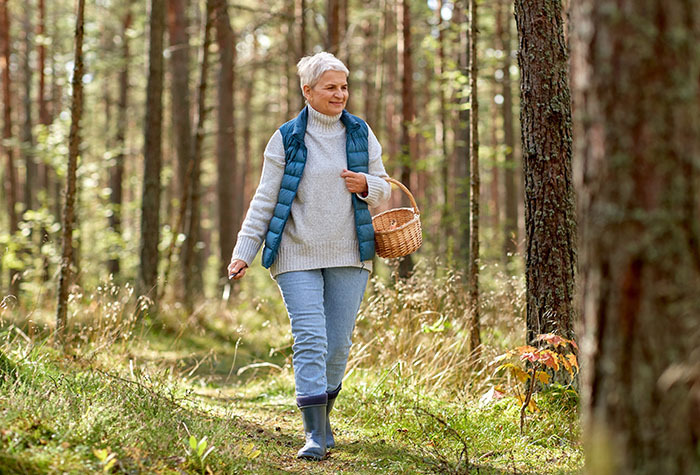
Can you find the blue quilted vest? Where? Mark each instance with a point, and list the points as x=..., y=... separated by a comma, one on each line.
x=295, y=153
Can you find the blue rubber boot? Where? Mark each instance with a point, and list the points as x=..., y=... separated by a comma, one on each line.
x=315, y=432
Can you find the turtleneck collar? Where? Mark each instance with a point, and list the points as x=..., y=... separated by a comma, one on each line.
x=323, y=122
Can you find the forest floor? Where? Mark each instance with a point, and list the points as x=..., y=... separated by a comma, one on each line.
x=209, y=397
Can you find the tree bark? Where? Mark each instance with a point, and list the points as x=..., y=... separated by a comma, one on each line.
x=408, y=110
x=390, y=85
x=229, y=199
x=116, y=179
x=333, y=19
x=546, y=135
x=30, y=180
x=441, y=129
x=474, y=300
x=178, y=33
x=193, y=283
x=150, y=203
x=462, y=151
x=45, y=171
x=44, y=117
x=73, y=152
x=300, y=14
x=11, y=194
x=510, y=230
x=638, y=144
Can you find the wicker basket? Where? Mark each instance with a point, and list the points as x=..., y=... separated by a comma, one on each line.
x=397, y=232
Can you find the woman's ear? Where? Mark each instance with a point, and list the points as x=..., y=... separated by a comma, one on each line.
x=307, y=91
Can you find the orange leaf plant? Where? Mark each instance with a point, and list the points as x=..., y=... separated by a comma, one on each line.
x=529, y=365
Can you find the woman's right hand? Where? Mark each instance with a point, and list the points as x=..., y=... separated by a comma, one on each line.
x=236, y=269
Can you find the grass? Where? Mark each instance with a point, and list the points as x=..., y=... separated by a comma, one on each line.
x=127, y=396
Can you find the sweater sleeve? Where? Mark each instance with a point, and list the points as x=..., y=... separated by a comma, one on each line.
x=257, y=219
x=378, y=189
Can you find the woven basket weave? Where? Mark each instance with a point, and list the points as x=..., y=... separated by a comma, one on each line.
x=397, y=232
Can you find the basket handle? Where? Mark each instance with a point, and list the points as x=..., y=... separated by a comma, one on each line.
x=405, y=190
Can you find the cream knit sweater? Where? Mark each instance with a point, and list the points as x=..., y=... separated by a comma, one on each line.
x=320, y=231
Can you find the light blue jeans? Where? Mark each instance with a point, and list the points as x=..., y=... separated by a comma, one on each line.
x=322, y=305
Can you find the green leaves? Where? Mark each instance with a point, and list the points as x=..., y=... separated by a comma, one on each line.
x=199, y=451
x=106, y=458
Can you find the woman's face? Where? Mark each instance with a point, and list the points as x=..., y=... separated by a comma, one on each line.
x=330, y=94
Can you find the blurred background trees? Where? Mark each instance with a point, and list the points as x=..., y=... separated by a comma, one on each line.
x=138, y=172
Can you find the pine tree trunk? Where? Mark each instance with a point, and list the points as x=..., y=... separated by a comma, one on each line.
x=11, y=186
x=44, y=117
x=638, y=142
x=407, y=112
x=302, y=42
x=116, y=177
x=178, y=32
x=71, y=175
x=390, y=59
x=193, y=283
x=510, y=230
x=44, y=170
x=30, y=180
x=333, y=19
x=150, y=203
x=242, y=179
x=474, y=299
x=229, y=199
x=546, y=135
x=462, y=149
x=300, y=15
x=441, y=136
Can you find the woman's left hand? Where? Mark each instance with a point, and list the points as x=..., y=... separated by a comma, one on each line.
x=354, y=182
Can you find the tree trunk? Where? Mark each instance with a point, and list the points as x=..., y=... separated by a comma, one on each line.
x=390, y=58
x=188, y=170
x=242, y=178
x=333, y=19
x=408, y=111
x=71, y=175
x=44, y=117
x=229, y=199
x=300, y=14
x=300, y=30
x=193, y=283
x=638, y=140
x=510, y=230
x=10, y=173
x=30, y=180
x=441, y=128
x=178, y=25
x=474, y=310
x=368, y=83
x=150, y=203
x=546, y=135
x=116, y=179
x=462, y=198
x=45, y=171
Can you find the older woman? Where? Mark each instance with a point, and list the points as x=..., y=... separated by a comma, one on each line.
x=321, y=171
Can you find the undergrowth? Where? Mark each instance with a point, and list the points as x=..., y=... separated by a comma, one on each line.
x=212, y=391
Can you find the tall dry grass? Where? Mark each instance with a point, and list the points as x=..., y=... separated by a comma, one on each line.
x=419, y=327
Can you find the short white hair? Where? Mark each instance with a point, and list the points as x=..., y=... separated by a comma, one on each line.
x=311, y=68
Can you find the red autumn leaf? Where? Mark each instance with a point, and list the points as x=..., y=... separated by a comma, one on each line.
x=552, y=339
x=531, y=357
x=549, y=359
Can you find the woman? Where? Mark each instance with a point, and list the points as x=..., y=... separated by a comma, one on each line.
x=321, y=171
